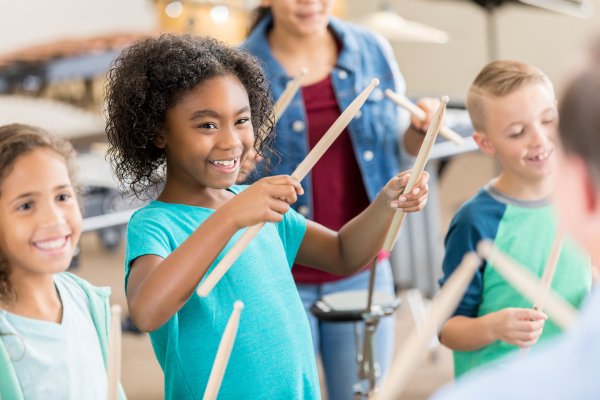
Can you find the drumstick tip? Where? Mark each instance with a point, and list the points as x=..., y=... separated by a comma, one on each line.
x=445, y=99
x=375, y=82
x=115, y=309
x=484, y=248
x=238, y=305
x=304, y=71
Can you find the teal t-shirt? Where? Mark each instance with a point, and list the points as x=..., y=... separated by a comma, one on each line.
x=525, y=230
x=273, y=356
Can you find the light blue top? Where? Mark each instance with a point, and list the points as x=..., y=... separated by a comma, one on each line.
x=273, y=356
x=57, y=361
x=565, y=368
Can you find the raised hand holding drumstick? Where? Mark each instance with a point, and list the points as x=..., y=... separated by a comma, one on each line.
x=311, y=159
x=416, y=172
x=419, y=114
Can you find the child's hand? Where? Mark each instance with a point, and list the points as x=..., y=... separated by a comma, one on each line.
x=519, y=326
x=429, y=105
x=264, y=201
x=409, y=202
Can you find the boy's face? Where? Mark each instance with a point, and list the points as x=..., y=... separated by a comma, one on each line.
x=209, y=134
x=301, y=17
x=40, y=220
x=520, y=128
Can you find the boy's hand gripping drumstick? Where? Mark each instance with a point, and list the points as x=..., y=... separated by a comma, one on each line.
x=419, y=114
x=114, y=353
x=540, y=299
x=527, y=284
x=223, y=353
x=305, y=166
x=415, y=347
x=416, y=172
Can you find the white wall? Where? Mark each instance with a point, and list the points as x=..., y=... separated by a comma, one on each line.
x=545, y=39
x=31, y=22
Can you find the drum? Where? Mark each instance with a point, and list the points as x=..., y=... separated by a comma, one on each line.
x=350, y=306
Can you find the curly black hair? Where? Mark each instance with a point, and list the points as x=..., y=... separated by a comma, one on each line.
x=149, y=77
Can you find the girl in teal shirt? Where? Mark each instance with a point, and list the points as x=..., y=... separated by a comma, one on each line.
x=185, y=112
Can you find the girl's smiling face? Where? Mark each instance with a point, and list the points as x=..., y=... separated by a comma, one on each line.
x=208, y=134
x=40, y=220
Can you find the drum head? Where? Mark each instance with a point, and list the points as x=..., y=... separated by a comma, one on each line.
x=356, y=300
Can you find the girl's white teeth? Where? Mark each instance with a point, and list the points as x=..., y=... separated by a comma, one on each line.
x=51, y=244
x=225, y=163
x=542, y=156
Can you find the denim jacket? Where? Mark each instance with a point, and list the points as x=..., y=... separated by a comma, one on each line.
x=375, y=130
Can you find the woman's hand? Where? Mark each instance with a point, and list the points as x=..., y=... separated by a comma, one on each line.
x=518, y=326
x=430, y=106
x=407, y=202
x=264, y=201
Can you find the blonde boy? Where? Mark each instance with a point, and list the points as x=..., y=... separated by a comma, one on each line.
x=513, y=110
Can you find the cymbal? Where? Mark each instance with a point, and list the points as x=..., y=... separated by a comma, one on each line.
x=395, y=28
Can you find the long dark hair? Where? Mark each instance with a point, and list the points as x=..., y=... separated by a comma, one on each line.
x=258, y=14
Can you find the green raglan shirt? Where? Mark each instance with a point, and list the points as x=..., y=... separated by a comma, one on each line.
x=525, y=230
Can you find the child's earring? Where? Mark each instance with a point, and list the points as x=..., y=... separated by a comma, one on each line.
x=160, y=141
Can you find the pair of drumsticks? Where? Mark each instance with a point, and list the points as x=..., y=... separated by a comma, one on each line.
x=443, y=306
x=311, y=159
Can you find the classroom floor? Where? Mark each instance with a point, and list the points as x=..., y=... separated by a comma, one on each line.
x=142, y=377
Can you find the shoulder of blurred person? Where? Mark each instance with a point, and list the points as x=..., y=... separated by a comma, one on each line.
x=564, y=368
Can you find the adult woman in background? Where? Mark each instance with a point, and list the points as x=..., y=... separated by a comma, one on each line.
x=342, y=58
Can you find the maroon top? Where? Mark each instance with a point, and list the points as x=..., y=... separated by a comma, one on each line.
x=338, y=190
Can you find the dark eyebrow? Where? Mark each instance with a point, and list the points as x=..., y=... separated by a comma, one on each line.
x=204, y=113
x=19, y=197
x=243, y=110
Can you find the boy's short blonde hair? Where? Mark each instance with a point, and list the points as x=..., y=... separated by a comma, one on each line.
x=498, y=79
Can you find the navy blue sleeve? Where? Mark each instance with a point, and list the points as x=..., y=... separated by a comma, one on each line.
x=477, y=219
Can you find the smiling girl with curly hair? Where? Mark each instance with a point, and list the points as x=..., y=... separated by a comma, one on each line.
x=186, y=111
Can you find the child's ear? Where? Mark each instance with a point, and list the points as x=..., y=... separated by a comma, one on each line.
x=160, y=141
x=484, y=143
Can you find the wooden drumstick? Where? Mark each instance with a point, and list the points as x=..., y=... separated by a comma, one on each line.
x=284, y=100
x=540, y=299
x=288, y=94
x=416, y=172
x=305, y=166
x=114, y=353
x=419, y=114
x=223, y=353
x=415, y=347
x=527, y=284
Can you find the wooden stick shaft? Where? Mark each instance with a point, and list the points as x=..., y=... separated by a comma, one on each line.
x=540, y=299
x=223, y=353
x=414, y=348
x=227, y=261
x=285, y=99
x=527, y=284
x=420, y=114
x=305, y=166
x=114, y=353
x=288, y=94
x=417, y=170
